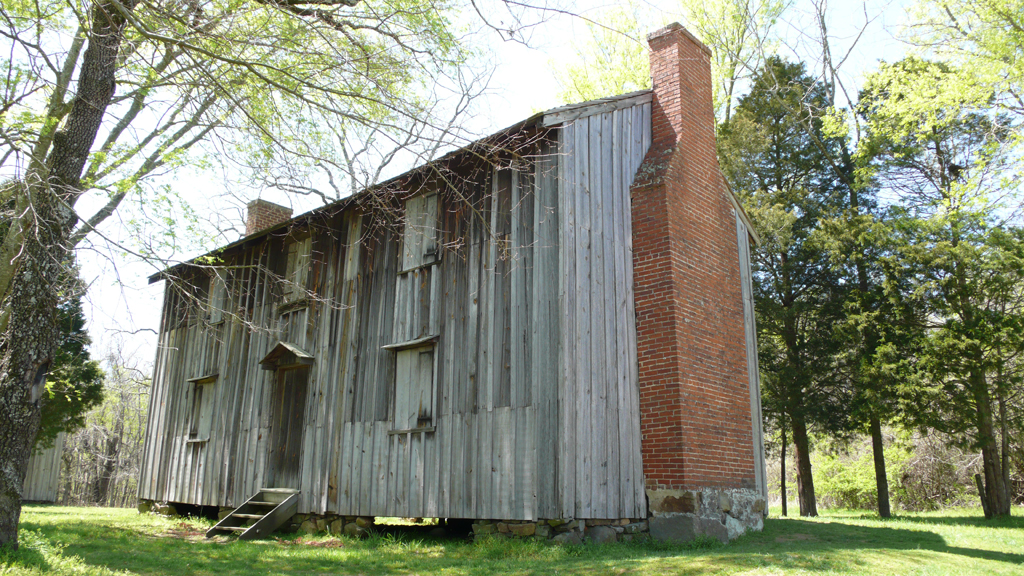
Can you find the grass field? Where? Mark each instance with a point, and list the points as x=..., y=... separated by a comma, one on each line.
x=99, y=541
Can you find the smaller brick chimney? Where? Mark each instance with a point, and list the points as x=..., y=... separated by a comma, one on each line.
x=262, y=214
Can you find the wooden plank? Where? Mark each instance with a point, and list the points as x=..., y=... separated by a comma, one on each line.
x=413, y=507
x=753, y=374
x=457, y=499
x=583, y=354
x=470, y=395
x=381, y=456
x=547, y=339
x=567, y=298
x=642, y=124
x=487, y=290
x=487, y=502
x=598, y=318
x=623, y=455
x=611, y=154
x=518, y=376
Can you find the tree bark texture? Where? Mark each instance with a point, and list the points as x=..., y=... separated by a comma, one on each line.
x=72, y=143
x=29, y=339
x=27, y=346
x=881, y=478
x=782, y=475
x=995, y=490
x=804, y=481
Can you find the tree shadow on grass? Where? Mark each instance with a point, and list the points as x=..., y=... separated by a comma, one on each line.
x=789, y=544
x=807, y=536
x=1012, y=522
x=29, y=553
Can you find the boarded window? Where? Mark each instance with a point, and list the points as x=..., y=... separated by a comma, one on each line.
x=218, y=297
x=414, y=388
x=419, y=241
x=297, y=270
x=201, y=421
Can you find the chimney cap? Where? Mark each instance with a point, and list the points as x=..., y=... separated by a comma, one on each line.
x=674, y=28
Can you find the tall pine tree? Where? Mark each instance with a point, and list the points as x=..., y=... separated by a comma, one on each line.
x=776, y=156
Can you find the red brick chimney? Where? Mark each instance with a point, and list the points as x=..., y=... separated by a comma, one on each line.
x=261, y=214
x=695, y=398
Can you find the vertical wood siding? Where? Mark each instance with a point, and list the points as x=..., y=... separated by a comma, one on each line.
x=600, y=471
x=530, y=301
x=42, y=479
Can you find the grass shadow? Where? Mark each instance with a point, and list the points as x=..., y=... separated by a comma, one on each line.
x=1011, y=522
x=837, y=536
x=146, y=546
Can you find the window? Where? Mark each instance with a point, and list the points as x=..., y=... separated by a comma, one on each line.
x=218, y=297
x=414, y=389
x=201, y=416
x=297, y=270
x=419, y=241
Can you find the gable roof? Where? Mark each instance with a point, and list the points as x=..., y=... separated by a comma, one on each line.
x=544, y=120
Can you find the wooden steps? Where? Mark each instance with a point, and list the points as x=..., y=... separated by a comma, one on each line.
x=260, y=515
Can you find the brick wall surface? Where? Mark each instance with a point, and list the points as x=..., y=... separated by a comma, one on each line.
x=694, y=390
x=261, y=214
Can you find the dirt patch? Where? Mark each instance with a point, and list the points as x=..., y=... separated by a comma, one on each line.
x=183, y=531
x=796, y=538
x=332, y=543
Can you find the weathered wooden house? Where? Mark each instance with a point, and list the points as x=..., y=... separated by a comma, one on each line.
x=553, y=323
x=42, y=478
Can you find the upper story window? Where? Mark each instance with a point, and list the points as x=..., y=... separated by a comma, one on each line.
x=297, y=270
x=419, y=239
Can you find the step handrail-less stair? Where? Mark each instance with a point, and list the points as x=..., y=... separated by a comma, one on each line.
x=270, y=508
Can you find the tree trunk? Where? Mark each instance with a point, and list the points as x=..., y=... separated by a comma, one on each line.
x=881, y=479
x=27, y=346
x=804, y=480
x=29, y=303
x=995, y=490
x=1004, y=440
x=782, y=476
x=107, y=466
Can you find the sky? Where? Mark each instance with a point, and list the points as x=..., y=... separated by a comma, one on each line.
x=123, y=309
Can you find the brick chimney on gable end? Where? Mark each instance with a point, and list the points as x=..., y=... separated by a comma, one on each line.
x=261, y=215
x=695, y=396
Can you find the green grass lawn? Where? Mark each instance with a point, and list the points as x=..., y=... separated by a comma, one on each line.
x=94, y=541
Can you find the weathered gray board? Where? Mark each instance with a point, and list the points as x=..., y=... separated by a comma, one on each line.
x=528, y=304
x=753, y=374
x=42, y=479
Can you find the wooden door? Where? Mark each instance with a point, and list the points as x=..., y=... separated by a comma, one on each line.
x=288, y=418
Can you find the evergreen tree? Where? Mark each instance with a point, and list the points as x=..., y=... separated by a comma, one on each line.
x=75, y=383
x=949, y=167
x=776, y=156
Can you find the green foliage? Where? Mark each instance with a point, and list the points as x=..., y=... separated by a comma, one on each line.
x=739, y=34
x=952, y=166
x=613, y=61
x=75, y=382
x=771, y=155
x=983, y=38
x=844, y=476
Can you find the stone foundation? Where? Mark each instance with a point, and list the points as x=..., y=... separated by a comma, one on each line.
x=162, y=508
x=725, y=514
x=356, y=526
